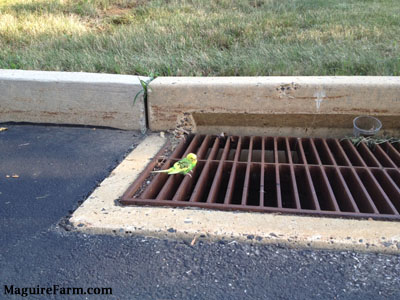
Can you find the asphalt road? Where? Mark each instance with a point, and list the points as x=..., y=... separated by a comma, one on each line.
x=59, y=166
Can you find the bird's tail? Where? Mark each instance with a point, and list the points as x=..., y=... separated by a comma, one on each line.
x=160, y=171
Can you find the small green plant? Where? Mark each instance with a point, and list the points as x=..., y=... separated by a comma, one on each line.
x=145, y=85
x=371, y=141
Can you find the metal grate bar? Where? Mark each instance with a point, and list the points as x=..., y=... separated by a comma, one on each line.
x=340, y=156
x=137, y=184
x=262, y=176
x=269, y=156
x=368, y=157
x=308, y=187
x=278, y=187
x=305, y=189
x=381, y=202
x=294, y=188
x=324, y=154
x=325, y=148
x=310, y=181
x=323, y=186
x=186, y=187
x=356, y=159
x=342, y=192
x=204, y=146
x=187, y=182
x=215, y=188
x=276, y=152
x=247, y=176
x=288, y=151
x=310, y=152
x=200, y=189
x=323, y=189
x=229, y=192
x=384, y=159
x=395, y=176
x=152, y=190
x=392, y=153
x=278, y=174
x=352, y=154
x=180, y=149
x=301, y=150
x=357, y=189
x=314, y=151
x=156, y=184
x=198, y=139
x=389, y=186
x=344, y=198
x=292, y=182
x=173, y=182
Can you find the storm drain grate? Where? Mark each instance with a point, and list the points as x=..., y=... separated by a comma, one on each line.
x=278, y=174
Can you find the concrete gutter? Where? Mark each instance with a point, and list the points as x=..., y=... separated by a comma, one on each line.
x=71, y=98
x=294, y=106
x=101, y=213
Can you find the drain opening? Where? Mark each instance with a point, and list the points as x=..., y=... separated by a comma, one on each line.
x=312, y=176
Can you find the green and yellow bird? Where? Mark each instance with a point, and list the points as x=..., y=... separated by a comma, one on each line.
x=184, y=166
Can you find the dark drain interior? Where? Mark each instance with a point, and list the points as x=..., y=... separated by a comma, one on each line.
x=278, y=174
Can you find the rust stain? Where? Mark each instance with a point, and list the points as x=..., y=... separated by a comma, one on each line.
x=48, y=113
x=19, y=99
x=160, y=110
x=52, y=113
x=360, y=110
x=13, y=111
x=106, y=115
x=326, y=97
x=109, y=115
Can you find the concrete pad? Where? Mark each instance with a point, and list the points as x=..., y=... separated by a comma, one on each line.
x=71, y=98
x=294, y=106
x=101, y=213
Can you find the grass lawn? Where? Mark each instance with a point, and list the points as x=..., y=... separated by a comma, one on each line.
x=202, y=37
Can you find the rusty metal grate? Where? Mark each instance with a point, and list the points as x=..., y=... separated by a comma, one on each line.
x=279, y=174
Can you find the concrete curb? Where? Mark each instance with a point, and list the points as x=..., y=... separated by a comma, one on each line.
x=101, y=214
x=291, y=106
x=242, y=105
x=71, y=98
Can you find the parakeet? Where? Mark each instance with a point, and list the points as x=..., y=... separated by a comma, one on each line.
x=184, y=166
